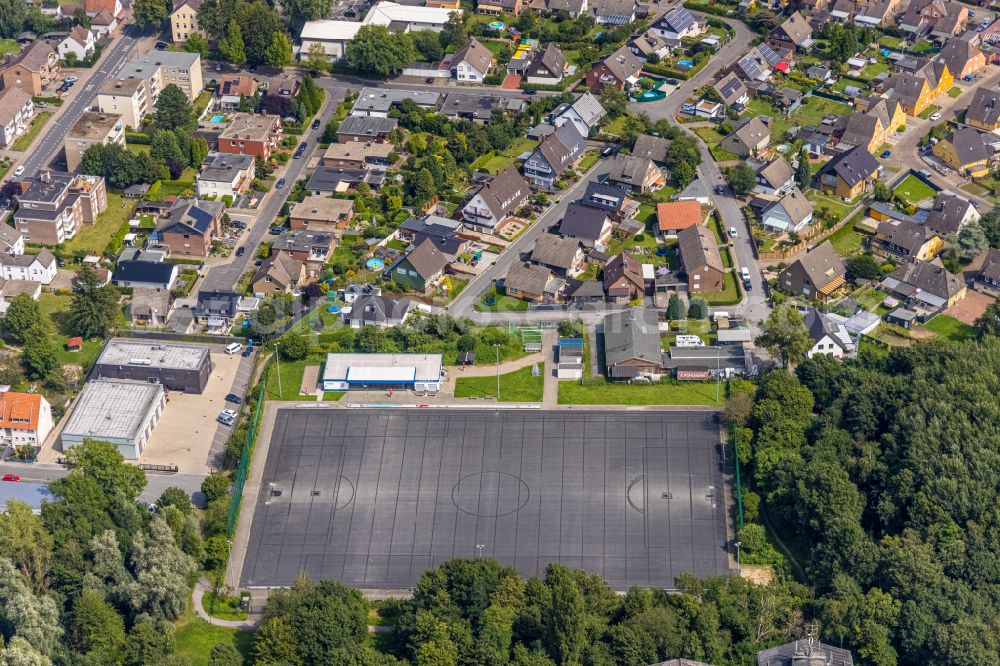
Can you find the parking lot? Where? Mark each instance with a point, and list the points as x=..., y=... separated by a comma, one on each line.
x=374, y=497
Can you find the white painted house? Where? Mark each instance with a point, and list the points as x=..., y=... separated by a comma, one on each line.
x=39, y=267
x=11, y=241
x=829, y=337
x=80, y=42
x=472, y=62
x=16, y=111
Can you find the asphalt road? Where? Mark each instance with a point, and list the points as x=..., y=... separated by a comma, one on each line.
x=155, y=483
x=43, y=149
x=225, y=277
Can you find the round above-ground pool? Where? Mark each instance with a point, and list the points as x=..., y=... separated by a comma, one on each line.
x=375, y=264
x=783, y=148
x=333, y=309
x=496, y=25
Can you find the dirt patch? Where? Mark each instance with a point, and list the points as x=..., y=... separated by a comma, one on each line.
x=310, y=380
x=759, y=574
x=511, y=228
x=511, y=82
x=969, y=308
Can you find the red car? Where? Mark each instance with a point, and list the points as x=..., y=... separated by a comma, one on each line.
x=11, y=477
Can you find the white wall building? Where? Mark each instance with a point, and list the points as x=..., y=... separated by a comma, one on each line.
x=25, y=419
x=123, y=413
x=417, y=372
x=39, y=267
x=16, y=111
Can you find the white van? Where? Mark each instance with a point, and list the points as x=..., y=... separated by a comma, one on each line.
x=688, y=341
x=234, y=348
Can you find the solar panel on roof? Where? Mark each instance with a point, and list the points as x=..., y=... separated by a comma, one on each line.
x=770, y=55
x=751, y=67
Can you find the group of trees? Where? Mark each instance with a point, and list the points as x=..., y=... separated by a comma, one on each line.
x=845, y=40
x=16, y=17
x=247, y=33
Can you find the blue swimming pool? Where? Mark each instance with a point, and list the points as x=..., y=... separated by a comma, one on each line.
x=217, y=119
x=685, y=63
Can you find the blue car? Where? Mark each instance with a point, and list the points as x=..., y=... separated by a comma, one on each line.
x=246, y=352
x=886, y=154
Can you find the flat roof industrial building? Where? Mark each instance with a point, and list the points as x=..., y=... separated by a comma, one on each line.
x=177, y=367
x=31, y=494
x=419, y=372
x=120, y=412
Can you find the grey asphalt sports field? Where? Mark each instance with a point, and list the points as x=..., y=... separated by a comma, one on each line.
x=374, y=497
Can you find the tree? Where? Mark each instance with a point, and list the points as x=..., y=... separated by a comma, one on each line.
x=232, y=47
x=164, y=146
x=224, y=654
x=196, y=43
x=454, y=32
x=293, y=347
x=150, y=14
x=862, y=268
x=316, y=59
x=698, y=308
x=24, y=541
x=423, y=187
x=103, y=462
x=173, y=110
x=148, y=643
x=970, y=242
x=258, y=22
x=94, y=308
x=40, y=357
x=299, y=11
x=882, y=192
x=23, y=319
x=803, y=172
x=378, y=52
x=428, y=45
x=275, y=644
x=676, y=309
x=97, y=627
x=32, y=617
x=215, y=485
x=614, y=101
x=162, y=572
x=683, y=174
x=566, y=616
x=784, y=334
x=177, y=497
x=216, y=553
x=119, y=166
x=741, y=179
x=279, y=53
x=372, y=340
x=12, y=18
x=988, y=323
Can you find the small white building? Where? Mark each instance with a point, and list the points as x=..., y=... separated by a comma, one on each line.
x=224, y=174
x=80, y=42
x=39, y=267
x=123, y=413
x=420, y=373
x=333, y=36
x=829, y=337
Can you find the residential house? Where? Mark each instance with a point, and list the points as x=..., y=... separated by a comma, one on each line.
x=653, y=148
x=962, y=57
x=613, y=12
x=321, y=214
x=822, y=74
x=216, y=310
x=94, y=128
x=190, y=226
x=967, y=151
x=472, y=62
x=39, y=267
x=732, y=91
x=232, y=90
x=251, y=134
x=925, y=287
x=11, y=289
x=488, y=7
x=878, y=13
x=444, y=232
x=533, y=283
x=376, y=310
x=752, y=66
x=25, y=420
x=574, y=8
x=775, y=177
x=80, y=42
x=700, y=259
x=632, y=345
x=184, y=20
x=612, y=200
x=103, y=24
x=408, y=18
x=95, y=7
x=357, y=155
x=16, y=111
x=590, y=226
x=677, y=24
x=469, y=106
x=365, y=128
x=817, y=275
x=794, y=35
x=586, y=113
x=792, y=212
x=988, y=277
x=549, y=68
x=378, y=101
x=917, y=90
x=673, y=216
x=848, y=174
x=950, y=213
x=420, y=269
x=556, y=154
x=559, y=254
x=636, y=174
x=938, y=16
x=312, y=248
x=984, y=109
x=127, y=98
x=333, y=35
x=906, y=240
x=279, y=98
x=871, y=128
x=280, y=273
x=495, y=201
x=709, y=109
x=225, y=175
x=750, y=137
x=330, y=180
x=623, y=280
x=162, y=68
x=145, y=274
x=829, y=337
x=53, y=206
x=621, y=70
x=11, y=241
x=695, y=191
x=649, y=45
x=33, y=70
x=150, y=307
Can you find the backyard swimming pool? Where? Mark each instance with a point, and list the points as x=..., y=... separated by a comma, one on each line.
x=686, y=63
x=375, y=264
x=217, y=118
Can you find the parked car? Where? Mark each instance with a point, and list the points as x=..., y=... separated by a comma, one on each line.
x=161, y=46
x=41, y=104
x=227, y=417
x=936, y=115
x=235, y=399
x=315, y=124
x=19, y=170
x=258, y=262
x=240, y=251
x=246, y=352
x=275, y=231
x=886, y=154
x=732, y=232
x=530, y=91
x=280, y=184
x=720, y=189
x=11, y=477
x=71, y=79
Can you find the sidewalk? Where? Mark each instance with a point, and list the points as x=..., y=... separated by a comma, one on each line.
x=550, y=391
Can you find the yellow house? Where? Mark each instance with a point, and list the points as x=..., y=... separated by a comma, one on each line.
x=907, y=239
x=967, y=151
x=184, y=20
x=916, y=91
x=849, y=174
x=984, y=110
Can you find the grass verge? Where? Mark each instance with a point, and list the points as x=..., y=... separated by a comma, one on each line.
x=28, y=137
x=662, y=393
x=517, y=386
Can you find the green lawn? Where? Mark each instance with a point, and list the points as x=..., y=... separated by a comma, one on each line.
x=196, y=637
x=616, y=126
x=138, y=148
x=291, y=380
x=720, y=155
x=954, y=92
x=948, y=327
x=847, y=241
x=503, y=304
x=812, y=110
x=493, y=163
x=590, y=158
x=929, y=111
x=709, y=134
x=524, y=146
x=759, y=106
x=869, y=298
x=975, y=189
x=9, y=47
x=914, y=190
x=923, y=47
x=517, y=386
x=836, y=205
x=223, y=607
x=56, y=307
x=730, y=294
x=201, y=103
x=37, y=123
x=662, y=393
x=93, y=238
x=891, y=42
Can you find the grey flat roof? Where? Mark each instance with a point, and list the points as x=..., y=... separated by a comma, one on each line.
x=153, y=354
x=31, y=494
x=426, y=366
x=115, y=409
